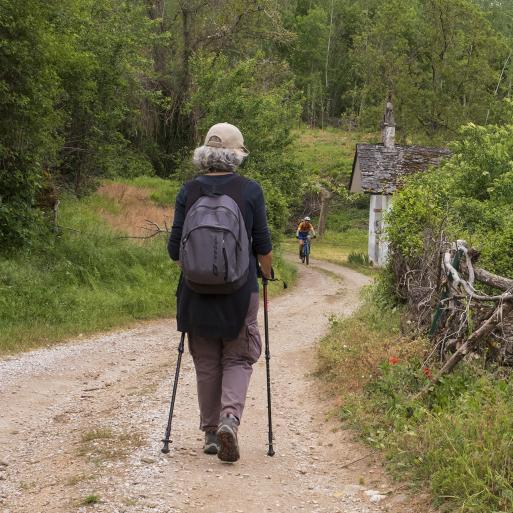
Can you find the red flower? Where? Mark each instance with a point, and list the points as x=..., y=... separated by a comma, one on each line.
x=393, y=360
x=427, y=372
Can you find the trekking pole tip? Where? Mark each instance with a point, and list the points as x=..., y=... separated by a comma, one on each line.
x=270, y=452
x=165, y=449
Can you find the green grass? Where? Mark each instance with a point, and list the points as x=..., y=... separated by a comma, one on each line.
x=86, y=279
x=91, y=499
x=457, y=442
x=163, y=192
x=79, y=282
x=328, y=152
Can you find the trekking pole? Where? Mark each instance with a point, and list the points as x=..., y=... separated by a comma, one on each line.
x=270, y=452
x=166, y=440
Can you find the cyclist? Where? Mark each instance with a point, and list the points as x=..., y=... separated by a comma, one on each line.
x=304, y=229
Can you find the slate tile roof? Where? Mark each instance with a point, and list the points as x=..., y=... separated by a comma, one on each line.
x=381, y=169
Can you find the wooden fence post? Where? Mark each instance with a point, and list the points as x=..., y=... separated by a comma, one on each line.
x=325, y=197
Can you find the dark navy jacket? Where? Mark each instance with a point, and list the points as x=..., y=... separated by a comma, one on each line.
x=221, y=316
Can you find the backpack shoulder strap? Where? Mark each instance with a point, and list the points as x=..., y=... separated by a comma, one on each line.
x=234, y=188
x=194, y=192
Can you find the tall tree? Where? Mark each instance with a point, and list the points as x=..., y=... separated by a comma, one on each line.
x=439, y=58
x=28, y=122
x=234, y=28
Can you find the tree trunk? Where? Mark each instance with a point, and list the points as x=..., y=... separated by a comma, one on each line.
x=186, y=56
x=328, y=56
x=156, y=10
x=493, y=280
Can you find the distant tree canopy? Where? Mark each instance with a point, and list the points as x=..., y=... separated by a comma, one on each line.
x=440, y=59
x=96, y=88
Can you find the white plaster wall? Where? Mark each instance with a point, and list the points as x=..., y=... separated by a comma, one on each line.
x=378, y=245
x=375, y=206
x=386, y=203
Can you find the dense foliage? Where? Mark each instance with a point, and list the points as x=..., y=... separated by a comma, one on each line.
x=27, y=119
x=68, y=75
x=470, y=197
x=102, y=88
x=440, y=59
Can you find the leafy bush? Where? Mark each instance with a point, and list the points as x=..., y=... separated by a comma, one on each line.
x=258, y=97
x=28, y=121
x=469, y=197
x=70, y=87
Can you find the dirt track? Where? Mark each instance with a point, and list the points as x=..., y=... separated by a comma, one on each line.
x=82, y=422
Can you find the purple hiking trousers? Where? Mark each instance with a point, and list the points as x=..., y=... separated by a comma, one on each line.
x=223, y=369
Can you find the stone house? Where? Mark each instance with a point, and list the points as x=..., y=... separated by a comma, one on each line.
x=378, y=170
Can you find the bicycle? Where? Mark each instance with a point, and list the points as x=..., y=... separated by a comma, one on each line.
x=305, y=251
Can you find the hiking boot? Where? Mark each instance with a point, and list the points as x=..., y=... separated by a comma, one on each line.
x=227, y=435
x=211, y=443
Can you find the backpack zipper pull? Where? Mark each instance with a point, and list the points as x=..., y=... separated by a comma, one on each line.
x=225, y=256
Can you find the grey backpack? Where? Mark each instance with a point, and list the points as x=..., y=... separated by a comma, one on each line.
x=214, y=250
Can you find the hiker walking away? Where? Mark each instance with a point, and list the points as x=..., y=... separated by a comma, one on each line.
x=219, y=232
x=303, y=231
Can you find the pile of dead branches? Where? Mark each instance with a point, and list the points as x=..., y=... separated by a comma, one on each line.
x=463, y=308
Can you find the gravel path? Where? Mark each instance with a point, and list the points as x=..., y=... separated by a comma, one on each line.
x=81, y=425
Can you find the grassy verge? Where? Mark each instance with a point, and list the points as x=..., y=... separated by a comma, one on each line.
x=78, y=282
x=457, y=442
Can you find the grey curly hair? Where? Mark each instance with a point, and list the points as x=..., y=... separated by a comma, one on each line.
x=222, y=159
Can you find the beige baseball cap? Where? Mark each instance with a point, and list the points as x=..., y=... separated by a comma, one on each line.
x=225, y=135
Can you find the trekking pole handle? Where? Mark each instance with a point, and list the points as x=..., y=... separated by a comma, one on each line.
x=266, y=280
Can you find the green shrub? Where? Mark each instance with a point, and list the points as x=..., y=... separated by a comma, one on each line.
x=357, y=258
x=28, y=120
x=458, y=439
x=469, y=197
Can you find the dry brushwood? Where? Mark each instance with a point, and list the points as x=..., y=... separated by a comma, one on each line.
x=153, y=229
x=503, y=310
x=418, y=281
x=443, y=299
